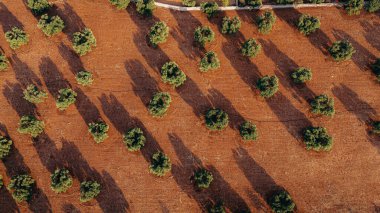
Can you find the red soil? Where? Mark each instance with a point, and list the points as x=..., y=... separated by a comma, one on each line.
x=126, y=75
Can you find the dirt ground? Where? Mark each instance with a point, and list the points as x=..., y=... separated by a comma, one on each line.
x=126, y=75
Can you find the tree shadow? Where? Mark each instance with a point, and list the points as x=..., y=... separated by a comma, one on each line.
x=86, y=107
x=70, y=208
x=7, y=19
x=13, y=93
x=53, y=78
x=73, y=22
x=219, y=190
x=122, y=121
x=286, y=65
x=371, y=32
x=362, y=58
x=24, y=75
x=72, y=59
x=220, y=101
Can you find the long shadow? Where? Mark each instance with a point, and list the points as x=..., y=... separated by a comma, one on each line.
x=70, y=208
x=72, y=59
x=122, y=121
x=86, y=107
x=260, y=181
x=362, y=58
x=24, y=74
x=53, y=78
x=219, y=189
x=13, y=93
x=7, y=19
x=73, y=22
x=286, y=65
x=220, y=101
x=371, y=32
x=361, y=109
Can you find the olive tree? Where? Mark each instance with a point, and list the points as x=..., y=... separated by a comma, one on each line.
x=65, y=98
x=160, y=164
x=158, y=33
x=16, y=37
x=308, y=24
x=216, y=119
x=353, y=7
x=209, y=62
x=248, y=131
x=98, y=130
x=84, y=78
x=83, y=41
x=134, y=139
x=375, y=67
x=373, y=6
x=5, y=146
x=120, y=4
x=376, y=127
x=189, y=3
x=61, y=180
x=172, y=74
x=34, y=95
x=51, y=25
x=317, y=139
x=145, y=7
x=266, y=21
x=38, y=7
x=22, y=187
x=203, y=35
x=281, y=202
x=230, y=25
x=159, y=104
x=203, y=178
x=31, y=125
x=268, y=86
x=209, y=8
x=250, y=48
x=341, y=50
x=301, y=75
x=3, y=62
x=89, y=190
x=323, y=105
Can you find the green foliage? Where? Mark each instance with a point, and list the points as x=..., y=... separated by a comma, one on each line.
x=22, y=187
x=230, y=25
x=225, y=3
x=317, y=139
x=308, y=24
x=268, y=86
x=61, y=180
x=84, y=78
x=172, y=74
x=83, y=41
x=209, y=8
x=341, y=50
x=159, y=104
x=353, y=7
x=203, y=35
x=281, y=202
x=50, y=25
x=160, y=164
x=373, y=6
x=65, y=98
x=34, y=95
x=203, y=178
x=158, y=33
x=284, y=1
x=189, y=3
x=120, y=4
x=16, y=37
x=3, y=62
x=134, y=139
x=217, y=208
x=301, y=75
x=89, y=190
x=38, y=6
x=248, y=131
x=375, y=67
x=30, y=125
x=98, y=130
x=252, y=3
x=315, y=1
x=250, y=48
x=376, y=127
x=1, y=181
x=145, y=7
x=5, y=146
x=216, y=119
x=266, y=21
x=323, y=105
x=209, y=62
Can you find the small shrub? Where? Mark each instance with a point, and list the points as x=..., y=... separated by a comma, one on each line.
x=172, y=74
x=83, y=41
x=22, y=187
x=134, y=139
x=159, y=104
x=376, y=127
x=65, y=98
x=51, y=25
x=373, y=6
x=353, y=7
x=322, y=105
x=158, y=33
x=30, y=125
x=189, y=3
x=5, y=146
x=34, y=95
x=89, y=190
x=84, y=78
x=216, y=119
x=38, y=6
x=120, y=4
x=317, y=139
x=341, y=50
x=375, y=67
x=16, y=37
x=252, y=3
x=209, y=62
x=266, y=21
x=268, y=86
x=145, y=7
x=61, y=180
x=248, y=131
x=203, y=35
x=308, y=24
x=98, y=130
x=217, y=208
x=3, y=62
x=250, y=48
x=160, y=164
x=230, y=25
x=284, y=1
x=225, y=3
x=203, y=178
x=209, y=8
x=281, y=202
x=301, y=75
